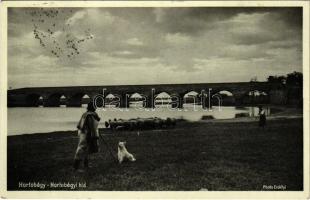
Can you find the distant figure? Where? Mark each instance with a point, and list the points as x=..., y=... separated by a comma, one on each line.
x=88, y=136
x=262, y=117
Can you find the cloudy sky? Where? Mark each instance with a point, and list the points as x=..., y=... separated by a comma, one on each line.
x=152, y=45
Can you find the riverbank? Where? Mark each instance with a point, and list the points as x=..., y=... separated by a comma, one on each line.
x=193, y=156
x=44, y=120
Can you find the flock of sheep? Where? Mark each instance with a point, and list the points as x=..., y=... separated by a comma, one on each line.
x=140, y=123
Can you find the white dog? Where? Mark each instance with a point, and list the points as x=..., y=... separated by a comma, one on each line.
x=123, y=154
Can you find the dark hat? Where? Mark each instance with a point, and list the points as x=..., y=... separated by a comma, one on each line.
x=91, y=107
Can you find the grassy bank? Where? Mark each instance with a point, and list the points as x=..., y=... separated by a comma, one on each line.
x=216, y=156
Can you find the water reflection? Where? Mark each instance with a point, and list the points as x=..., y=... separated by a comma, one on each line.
x=47, y=119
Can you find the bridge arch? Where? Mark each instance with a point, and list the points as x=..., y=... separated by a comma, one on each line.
x=78, y=99
x=137, y=100
x=112, y=100
x=177, y=100
x=136, y=96
x=63, y=100
x=256, y=97
x=191, y=97
x=55, y=100
x=85, y=100
x=162, y=99
x=227, y=98
x=225, y=93
x=34, y=100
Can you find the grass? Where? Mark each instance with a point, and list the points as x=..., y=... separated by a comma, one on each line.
x=218, y=156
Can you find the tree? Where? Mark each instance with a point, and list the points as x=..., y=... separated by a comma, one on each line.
x=254, y=79
x=294, y=79
x=277, y=79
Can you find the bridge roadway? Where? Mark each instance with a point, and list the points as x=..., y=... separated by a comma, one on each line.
x=51, y=96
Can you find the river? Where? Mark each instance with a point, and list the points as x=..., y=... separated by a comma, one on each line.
x=46, y=119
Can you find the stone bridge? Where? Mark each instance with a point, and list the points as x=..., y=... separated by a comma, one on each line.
x=73, y=95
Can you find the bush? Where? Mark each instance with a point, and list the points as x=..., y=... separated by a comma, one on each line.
x=238, y=115
x=207, y=117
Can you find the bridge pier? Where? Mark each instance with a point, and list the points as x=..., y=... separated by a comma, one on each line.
x=178, y=102
x=238, y=100
x=150, y=101
x=51, y=95
x=73, y=103
x=98, y=100
x=204, y=100
x=33, y=100
x=124, y=101
x=181, y=101
x=51, y=102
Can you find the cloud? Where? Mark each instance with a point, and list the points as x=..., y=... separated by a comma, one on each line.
x=163, y=44
x=99, y=59
x=100, y=17
x=134, y=41
x=159, y=14
x=259, y=28
x=122, y=53
x=177, y=39
x=76, y=17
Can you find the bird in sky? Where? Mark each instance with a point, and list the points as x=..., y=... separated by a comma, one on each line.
x=49, y=32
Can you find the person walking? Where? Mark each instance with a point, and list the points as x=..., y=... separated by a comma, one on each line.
x=88, y=136
x=262, y=117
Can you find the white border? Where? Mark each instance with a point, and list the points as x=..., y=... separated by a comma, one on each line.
x=154, y=195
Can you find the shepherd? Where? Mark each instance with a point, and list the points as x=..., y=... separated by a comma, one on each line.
x=262, y=117
x=88, y=136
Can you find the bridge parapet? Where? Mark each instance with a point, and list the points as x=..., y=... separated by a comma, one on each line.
x=73, y=96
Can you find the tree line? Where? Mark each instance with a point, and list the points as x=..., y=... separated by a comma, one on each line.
x=291, y=79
